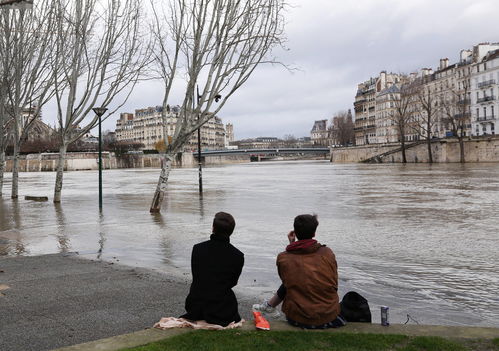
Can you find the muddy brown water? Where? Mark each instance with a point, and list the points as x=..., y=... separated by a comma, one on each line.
x=421, y=239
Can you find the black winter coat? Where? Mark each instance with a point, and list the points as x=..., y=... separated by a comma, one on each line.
x=216, y=266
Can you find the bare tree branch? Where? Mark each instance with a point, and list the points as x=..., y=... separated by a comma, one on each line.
x=99, y=57
x=217, y=44
x=26, y=44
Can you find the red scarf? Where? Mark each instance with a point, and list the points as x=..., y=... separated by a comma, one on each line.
x=301, y=244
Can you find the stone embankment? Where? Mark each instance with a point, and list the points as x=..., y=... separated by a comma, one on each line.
x=84, y=161
x=484, y=149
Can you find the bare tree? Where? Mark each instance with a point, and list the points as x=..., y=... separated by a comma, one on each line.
x=218, y=44
x=3, y=134
x=3, y=102
x=28, y=43
x=5, y=119
x=456, y=114
x=403, y=99
x=289, y=140
x=426, y=118
x=99, y=56
x=341, y=128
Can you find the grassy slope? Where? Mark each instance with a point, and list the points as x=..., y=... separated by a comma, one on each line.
x=310, y=341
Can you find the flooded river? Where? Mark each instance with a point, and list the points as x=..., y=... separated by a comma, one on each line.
x=421, y=239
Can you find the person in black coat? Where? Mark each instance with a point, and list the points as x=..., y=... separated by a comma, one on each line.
x=216, y=266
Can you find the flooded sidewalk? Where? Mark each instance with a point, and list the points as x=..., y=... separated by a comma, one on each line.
x=59, y=300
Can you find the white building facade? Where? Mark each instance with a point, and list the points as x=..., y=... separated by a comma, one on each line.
x=470, y=87
x=146, y=127
x=484, y=95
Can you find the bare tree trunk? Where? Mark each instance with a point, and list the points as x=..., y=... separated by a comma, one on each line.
x=60, y=173
x=2, y=169
x=166, y=166
x=217, y=45
x=461, y=150
x=15, y=171
x=2, y=137
x=402, y=144
x=430, y=156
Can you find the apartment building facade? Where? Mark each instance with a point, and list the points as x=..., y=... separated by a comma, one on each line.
x=146, y=127
x=386, y=110
x=484, y=95
x=471, y=86
x=372, y=116
x=365, y=110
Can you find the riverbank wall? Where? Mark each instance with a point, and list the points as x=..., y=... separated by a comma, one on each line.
x=85, y=161
x=484, y=149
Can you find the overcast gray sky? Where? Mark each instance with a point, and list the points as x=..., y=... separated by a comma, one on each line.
x=336, y=44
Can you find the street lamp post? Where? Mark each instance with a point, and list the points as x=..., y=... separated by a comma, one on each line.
x=99, y=111
x=200, y=164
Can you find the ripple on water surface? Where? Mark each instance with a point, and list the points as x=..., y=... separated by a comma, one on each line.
x=421, y=239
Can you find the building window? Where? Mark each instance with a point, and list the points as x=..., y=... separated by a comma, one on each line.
x=492, y=111
x=477, y=113
x=485, y=112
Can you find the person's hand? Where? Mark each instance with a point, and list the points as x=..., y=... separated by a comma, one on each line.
x=291, y=237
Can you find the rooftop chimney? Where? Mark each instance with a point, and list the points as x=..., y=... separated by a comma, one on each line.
x=444, y=63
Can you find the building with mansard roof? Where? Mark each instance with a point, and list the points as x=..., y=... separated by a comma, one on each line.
x=319, y=133
x=146, y=127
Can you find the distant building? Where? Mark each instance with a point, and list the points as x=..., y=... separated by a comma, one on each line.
x=465, y=92
x=257, y=143
x=124, y=127
x=484, y=94
x=36, y=128
x=146, y=127
x=272, y=142
x=229, y=134
x=386, y=129
x=365, y=108
x=90, y=139
x=319, y=133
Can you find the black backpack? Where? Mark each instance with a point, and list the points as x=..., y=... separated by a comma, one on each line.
x=354, y=308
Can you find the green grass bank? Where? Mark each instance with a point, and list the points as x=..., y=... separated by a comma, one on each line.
x=231, y=340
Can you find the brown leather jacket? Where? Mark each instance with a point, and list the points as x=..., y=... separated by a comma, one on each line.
x=311, y=278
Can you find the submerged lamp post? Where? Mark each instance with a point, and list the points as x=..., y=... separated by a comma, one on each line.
x=99, y=111
x=200, y=165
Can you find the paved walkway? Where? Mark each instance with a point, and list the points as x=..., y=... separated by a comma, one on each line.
x=53, y=301
x=63, y=301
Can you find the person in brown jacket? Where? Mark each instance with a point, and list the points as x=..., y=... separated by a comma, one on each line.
x=309, y=275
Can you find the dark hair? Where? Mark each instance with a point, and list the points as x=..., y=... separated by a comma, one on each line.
x=223, y=224
x=305, y=226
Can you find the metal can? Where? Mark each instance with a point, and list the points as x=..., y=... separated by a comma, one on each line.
x=384, y=316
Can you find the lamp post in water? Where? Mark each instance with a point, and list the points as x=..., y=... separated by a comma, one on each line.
x=99, y=111
x=200, y=165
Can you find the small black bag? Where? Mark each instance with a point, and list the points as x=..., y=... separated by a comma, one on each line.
x=354, y=308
